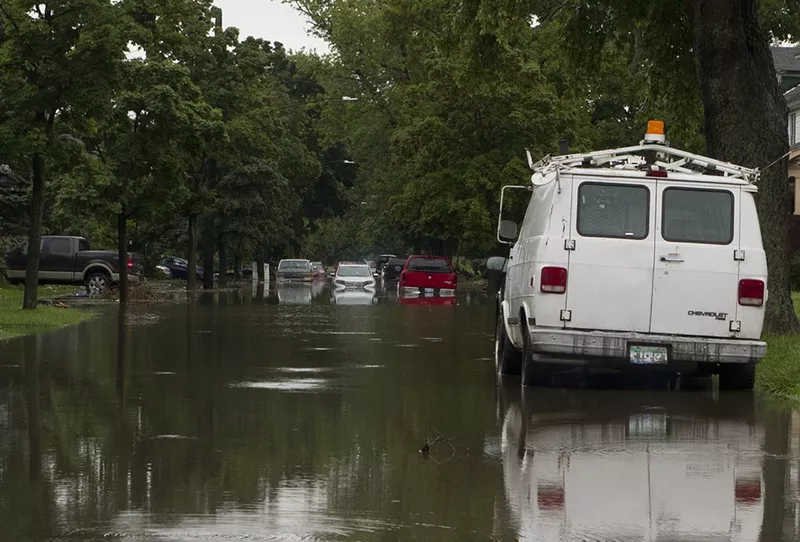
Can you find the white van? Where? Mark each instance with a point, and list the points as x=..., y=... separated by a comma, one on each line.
x=645, y=255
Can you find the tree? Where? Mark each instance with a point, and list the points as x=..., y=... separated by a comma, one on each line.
x=55, y=56
x=746, y=123
x=717, y=51
x=140, y=153
x=461, y=90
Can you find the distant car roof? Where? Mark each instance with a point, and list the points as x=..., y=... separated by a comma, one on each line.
x=429, y=257
x=352, y=264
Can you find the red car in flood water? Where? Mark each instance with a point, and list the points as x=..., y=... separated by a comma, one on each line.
x=428, y=275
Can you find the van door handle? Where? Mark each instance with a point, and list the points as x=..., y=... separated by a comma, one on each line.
x=672, y=258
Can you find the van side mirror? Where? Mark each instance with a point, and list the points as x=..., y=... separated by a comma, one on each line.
x=507, y=230
x=496, y=263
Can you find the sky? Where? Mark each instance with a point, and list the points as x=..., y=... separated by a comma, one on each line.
x=271, y=20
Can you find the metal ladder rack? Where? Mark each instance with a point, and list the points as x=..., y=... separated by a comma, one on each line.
x=630, y=158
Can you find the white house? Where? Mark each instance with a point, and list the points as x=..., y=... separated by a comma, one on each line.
x=793, y=102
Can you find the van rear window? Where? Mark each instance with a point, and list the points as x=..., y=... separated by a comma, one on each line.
x=613, y=210
x=693, y=215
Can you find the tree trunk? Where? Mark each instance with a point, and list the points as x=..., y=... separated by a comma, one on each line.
x=191, y=272
x=208, y=252
x=122, y=250
x=34, y=233
x=237, y=267
x=223, y=262
x=746, y=123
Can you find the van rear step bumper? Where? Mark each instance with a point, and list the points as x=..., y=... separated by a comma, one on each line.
x=579, y=347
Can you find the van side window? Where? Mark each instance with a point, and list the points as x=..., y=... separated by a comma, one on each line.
x=613, y=210
x=694, y=215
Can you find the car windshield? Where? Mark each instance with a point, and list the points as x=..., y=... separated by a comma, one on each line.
x=294, y=265
x=430, y=265
x=354, y=271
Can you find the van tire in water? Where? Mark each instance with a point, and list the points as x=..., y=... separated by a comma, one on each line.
x=533, y=374
x=739, y=376
x=507, y=359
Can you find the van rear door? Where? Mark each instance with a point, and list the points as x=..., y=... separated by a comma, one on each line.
x=610, y=275
x=696, y=277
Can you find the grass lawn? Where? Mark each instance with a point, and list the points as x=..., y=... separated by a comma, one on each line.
x=779, y=373
x=14, y=321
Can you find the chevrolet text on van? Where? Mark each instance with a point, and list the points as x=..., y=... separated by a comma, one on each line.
x=643, y=256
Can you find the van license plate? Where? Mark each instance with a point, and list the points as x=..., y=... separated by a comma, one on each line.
x=647, y=355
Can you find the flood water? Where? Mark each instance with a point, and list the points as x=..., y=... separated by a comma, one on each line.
x=301, y=416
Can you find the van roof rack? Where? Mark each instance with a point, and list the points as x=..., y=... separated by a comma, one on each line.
x=666, y=158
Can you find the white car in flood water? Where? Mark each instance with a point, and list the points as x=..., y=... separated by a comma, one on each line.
x=353, y=277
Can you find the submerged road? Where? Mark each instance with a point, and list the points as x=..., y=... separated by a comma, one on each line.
x=313, y=416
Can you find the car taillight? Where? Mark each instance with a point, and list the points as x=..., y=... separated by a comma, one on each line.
x=751, y=292
x=130, y=264
x=554, y=280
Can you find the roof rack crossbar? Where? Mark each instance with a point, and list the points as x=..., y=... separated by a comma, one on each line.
x=628, y=154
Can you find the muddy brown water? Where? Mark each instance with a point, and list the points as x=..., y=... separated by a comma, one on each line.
x=300, y=415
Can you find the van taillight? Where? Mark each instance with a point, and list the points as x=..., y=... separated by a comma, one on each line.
x=751, y=292
x=554, y=280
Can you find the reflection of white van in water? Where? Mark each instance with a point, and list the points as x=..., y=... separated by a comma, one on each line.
x=638, y=475
x=645, y=256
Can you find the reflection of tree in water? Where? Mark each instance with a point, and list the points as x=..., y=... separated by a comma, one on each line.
x=114, y=436
x=777, y=522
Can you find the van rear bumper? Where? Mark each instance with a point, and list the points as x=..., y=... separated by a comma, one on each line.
x=581, y=347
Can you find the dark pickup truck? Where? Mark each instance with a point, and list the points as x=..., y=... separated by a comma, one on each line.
x=69, y=260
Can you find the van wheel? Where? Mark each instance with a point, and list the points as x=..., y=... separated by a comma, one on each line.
x=737, y=376
x=533, y=374
x=507, y=359
x=97, y=283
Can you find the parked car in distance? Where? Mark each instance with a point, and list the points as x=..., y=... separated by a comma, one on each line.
x=427, y=276
x=353, y=276
x=299, y=270
x=656, y=268
x=318, y=270
x=382, y=259
x=393, y=268
x=179, y=268
x=345, y=262
x=70, y=260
